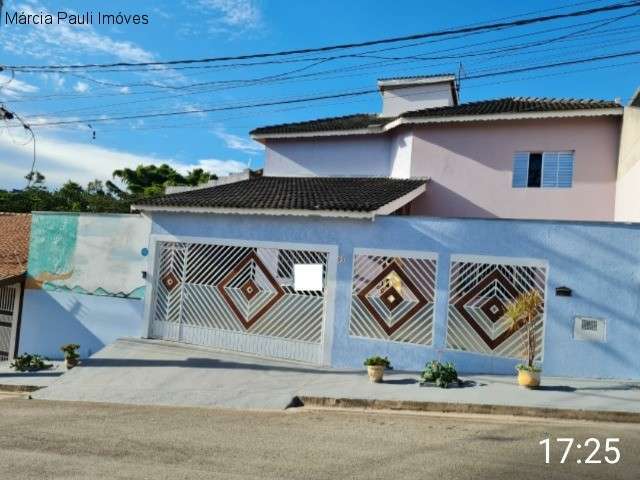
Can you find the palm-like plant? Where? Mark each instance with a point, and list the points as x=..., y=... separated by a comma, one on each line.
x=522, y=313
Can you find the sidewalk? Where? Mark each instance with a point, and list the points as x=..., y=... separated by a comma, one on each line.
x=12, y=381
x=555, y=392
x=163, y=373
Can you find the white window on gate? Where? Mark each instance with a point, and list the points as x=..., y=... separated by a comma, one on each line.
x=543, y=169
x=308, y=277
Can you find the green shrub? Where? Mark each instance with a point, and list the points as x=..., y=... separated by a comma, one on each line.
x=528, y=368
x=442, y=374
x=70, y=351
x=377, y=361
x=28, y=362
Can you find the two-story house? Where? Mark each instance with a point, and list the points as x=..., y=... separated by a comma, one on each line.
x=535, y=158
x=407, y=233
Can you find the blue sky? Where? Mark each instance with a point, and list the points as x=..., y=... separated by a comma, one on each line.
x=204, y=28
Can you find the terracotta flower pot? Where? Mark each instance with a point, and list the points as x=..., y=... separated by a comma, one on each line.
x=529, y=379
x=376, y=372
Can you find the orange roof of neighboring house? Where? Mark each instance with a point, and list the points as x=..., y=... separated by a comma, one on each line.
x=14, y=243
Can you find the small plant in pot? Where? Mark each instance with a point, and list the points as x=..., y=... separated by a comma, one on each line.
x=523, y=313
x=29, y=362
x=71, y=355
x=376, y=367
x=439, y=374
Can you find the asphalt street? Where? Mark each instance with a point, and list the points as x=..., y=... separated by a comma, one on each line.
x=56, y=440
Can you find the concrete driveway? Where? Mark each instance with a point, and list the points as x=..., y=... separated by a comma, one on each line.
x=162, y=373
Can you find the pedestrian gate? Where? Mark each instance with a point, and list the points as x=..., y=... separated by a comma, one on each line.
x=9, y=305
x=240, y=298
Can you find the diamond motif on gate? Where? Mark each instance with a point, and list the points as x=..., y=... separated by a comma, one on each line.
x=259, y=295
x=250, y=289
x=391, y=298
x=493, y=309
x=170, y=281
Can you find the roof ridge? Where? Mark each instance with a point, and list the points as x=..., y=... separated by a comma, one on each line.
x=502, y=105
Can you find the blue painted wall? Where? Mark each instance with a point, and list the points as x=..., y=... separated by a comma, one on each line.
x=51, y=319
x=600, y=262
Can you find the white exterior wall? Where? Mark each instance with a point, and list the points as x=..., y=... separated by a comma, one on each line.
x=354, y=155
x=627, y=207
x=396, y=100
x=400, y=154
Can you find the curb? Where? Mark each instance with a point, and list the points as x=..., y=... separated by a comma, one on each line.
x=471, y=408
x=16, y=388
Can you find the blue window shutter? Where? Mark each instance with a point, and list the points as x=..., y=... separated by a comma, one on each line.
x=550, y=169
x=565, y=169
x=520, y=169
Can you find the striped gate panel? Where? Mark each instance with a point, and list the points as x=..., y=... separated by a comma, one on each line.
x=478, y=295
x=8, y=297
x=393, y=298
x=240, y=298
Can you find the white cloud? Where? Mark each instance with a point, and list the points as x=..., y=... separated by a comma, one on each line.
x=125, y=90
x=14, y=87
x=217, y=166
x=240, y=15
x=60, y=160
x=61, y=41
x=236, y=142
x=80, y=87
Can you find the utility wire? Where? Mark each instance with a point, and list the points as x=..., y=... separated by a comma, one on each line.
x=344, y=46
x=323, y=97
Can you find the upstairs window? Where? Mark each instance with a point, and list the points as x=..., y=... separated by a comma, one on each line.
x=542, y=169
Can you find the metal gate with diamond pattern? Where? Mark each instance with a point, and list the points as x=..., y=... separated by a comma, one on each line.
x=239, y=298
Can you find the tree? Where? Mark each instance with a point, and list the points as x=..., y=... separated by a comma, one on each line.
x=523, y=313
x=150, y=180
x=35, y=178
x=143, y=181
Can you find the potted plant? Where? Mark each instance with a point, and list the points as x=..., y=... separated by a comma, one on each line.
x=71, y=356
x=439, y=375
x=29, y=362
x=523, y=313
x=376, y=366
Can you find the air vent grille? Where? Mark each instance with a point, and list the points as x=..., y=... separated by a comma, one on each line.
x=589, y=329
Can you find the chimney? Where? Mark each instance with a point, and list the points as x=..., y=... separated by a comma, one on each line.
x=404, y=94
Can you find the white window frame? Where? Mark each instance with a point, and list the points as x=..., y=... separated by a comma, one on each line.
x=543, y=153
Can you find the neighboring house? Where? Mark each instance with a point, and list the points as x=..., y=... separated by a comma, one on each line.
x=14, y=249
x=348, y=246
x=530, y=158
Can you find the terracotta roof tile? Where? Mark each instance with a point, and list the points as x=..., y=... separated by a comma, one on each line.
x=15, y=229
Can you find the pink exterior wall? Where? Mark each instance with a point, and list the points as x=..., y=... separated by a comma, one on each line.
x=470, y=167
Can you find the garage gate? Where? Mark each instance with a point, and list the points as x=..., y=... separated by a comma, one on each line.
x=265, y=301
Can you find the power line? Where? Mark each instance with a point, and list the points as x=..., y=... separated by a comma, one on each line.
x=323, y=97
x=344, y=46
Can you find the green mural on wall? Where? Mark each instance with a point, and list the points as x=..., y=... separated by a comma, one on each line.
x=89, y=254
x=53, y=242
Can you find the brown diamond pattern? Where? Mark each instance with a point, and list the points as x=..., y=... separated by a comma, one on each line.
x=170, y=281
x=391, y=304
x=391, y=298
x=493, y=309
x=250, y=289
x=473, y=294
